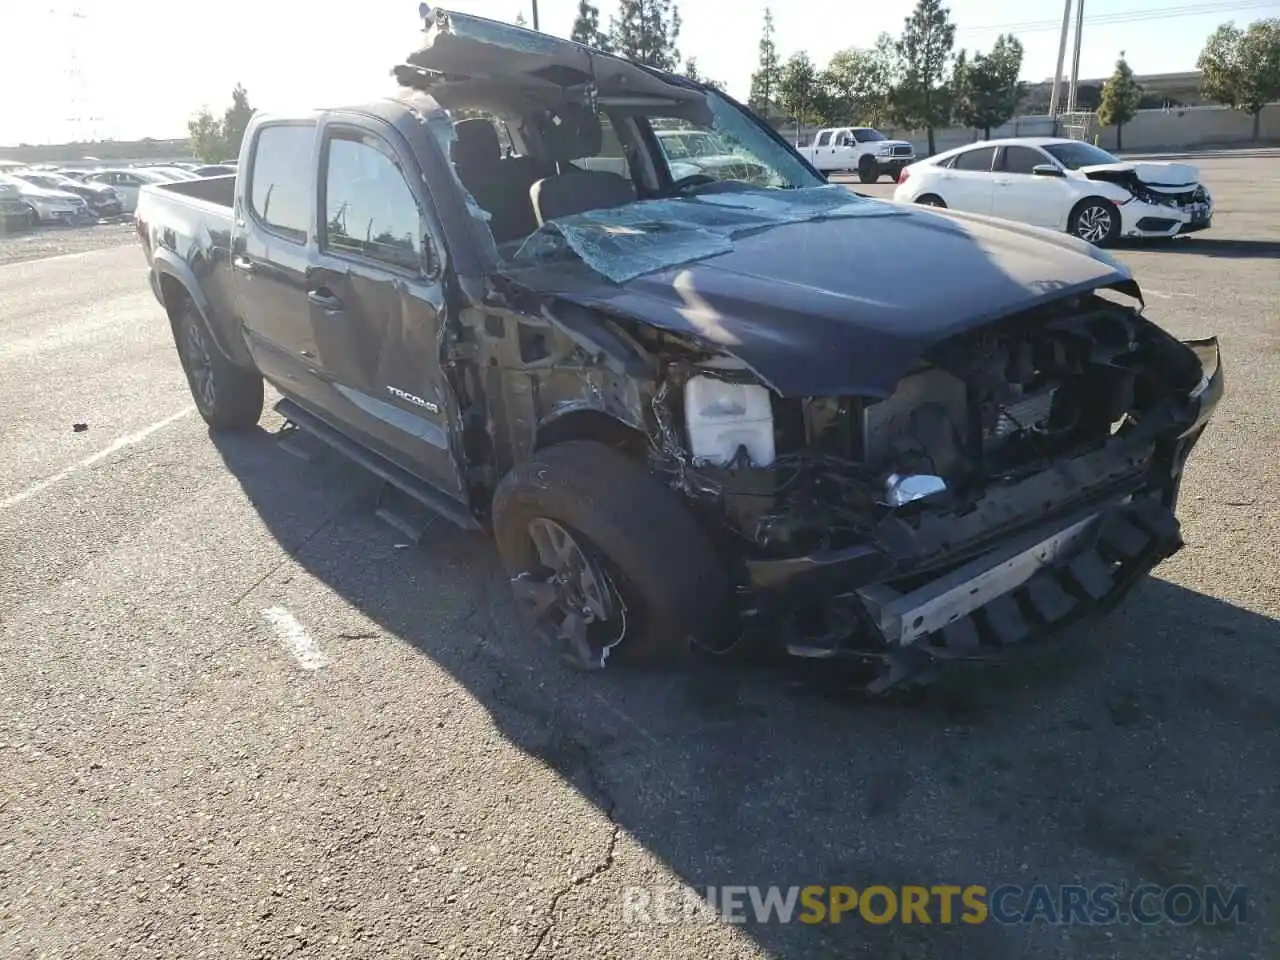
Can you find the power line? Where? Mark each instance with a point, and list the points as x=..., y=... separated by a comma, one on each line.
x=1129, y=16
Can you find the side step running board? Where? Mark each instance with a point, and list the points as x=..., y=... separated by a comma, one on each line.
x=418, y=490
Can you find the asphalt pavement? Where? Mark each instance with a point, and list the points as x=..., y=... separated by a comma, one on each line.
x=241, y=718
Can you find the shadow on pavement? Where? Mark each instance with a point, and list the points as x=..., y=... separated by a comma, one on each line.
x=1209, y=247
x=1144, y=750
x=1256, y=152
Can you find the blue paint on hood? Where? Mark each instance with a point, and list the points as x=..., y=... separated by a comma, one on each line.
x=845, y=306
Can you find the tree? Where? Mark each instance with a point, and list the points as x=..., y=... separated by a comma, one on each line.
x=925, y=48
x=1121, y=94
x=985, y=90
x=236, y=121
x=207, y=142
x=798, y=88
x=859, y=83
x=768, y=76
x=882, y=85
x=691, y=71
x=586, y=27
x=1241, y=68
x=646, y=31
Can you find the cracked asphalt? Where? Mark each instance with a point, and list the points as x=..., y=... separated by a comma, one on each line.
x=174, y=782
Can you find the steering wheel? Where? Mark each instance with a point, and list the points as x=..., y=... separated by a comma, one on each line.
x=691, y=181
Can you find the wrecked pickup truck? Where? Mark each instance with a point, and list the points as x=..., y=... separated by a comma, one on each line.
x=691, y=410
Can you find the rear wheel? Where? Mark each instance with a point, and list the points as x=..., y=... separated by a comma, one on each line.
x=228, y=397
x=931, y=200
x=606, y=562
x=1096, y=221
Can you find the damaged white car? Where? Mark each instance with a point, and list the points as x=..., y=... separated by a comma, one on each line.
x=1063, y=185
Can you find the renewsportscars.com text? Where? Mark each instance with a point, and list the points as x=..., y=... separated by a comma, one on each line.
x=938, y=904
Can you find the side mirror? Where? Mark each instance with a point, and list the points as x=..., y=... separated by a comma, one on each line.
x=1047, y=170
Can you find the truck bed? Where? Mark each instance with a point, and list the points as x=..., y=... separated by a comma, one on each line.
x=218, y=191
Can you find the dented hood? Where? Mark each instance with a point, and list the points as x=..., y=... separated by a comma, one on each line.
x=1157, y=173
x=839, y=307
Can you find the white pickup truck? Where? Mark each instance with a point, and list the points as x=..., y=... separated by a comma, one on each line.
x=860, y=149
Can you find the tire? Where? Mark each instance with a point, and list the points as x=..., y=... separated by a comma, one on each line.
x=931, y=200
x=228, y=397
x=1095, y=220
x=673, y=589
x=867, y=171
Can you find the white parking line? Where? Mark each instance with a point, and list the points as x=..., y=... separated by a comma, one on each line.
x=117, y=445
x=293, y=637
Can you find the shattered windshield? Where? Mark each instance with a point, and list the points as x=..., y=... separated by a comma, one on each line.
x=683, y=144
x=764, y=160
x=625, y=242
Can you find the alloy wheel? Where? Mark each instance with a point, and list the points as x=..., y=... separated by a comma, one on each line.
x=199, y=365
x=1093, y=223
x=570, y=596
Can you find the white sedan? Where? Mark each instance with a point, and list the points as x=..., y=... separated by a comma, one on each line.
x=127, y=181
x=1063, y=185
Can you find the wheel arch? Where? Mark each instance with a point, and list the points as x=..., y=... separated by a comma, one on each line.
x=176, y=282
x=589, y=422
x=1086, y=199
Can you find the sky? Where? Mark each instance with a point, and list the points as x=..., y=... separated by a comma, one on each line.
x=123, y=69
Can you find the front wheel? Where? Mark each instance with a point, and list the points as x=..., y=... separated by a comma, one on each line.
x=606, y=562
x=227, y=397
x=867, y=171
x=1095, y=221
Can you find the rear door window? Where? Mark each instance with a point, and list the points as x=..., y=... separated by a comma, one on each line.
x=279, y=179
x=823, y=138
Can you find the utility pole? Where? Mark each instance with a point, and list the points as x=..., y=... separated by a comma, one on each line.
x=1075, y=59
x=83, y=120
x=1062, y=56
x=535, y=14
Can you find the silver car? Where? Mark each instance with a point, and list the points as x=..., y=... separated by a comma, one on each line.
x=49, y=206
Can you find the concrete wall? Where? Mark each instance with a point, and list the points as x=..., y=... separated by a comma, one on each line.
x=1176, y=129
x=1192, y=127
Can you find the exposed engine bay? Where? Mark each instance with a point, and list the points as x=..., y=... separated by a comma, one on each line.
x=1001, y=434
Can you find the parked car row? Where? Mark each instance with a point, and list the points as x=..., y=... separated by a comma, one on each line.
x=37, y=196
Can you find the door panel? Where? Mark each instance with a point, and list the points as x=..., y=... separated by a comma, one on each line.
x=1024, y=197
x=377, y=309
x=270, y=255
x=970, y=186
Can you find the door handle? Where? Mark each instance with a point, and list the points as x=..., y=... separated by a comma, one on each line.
x=325, y=300
x=243, y=264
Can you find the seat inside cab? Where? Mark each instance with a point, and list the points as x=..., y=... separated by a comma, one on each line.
x=569, y=174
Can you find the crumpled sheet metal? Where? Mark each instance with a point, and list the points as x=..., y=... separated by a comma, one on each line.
x=461, y=26
x=625, y=242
